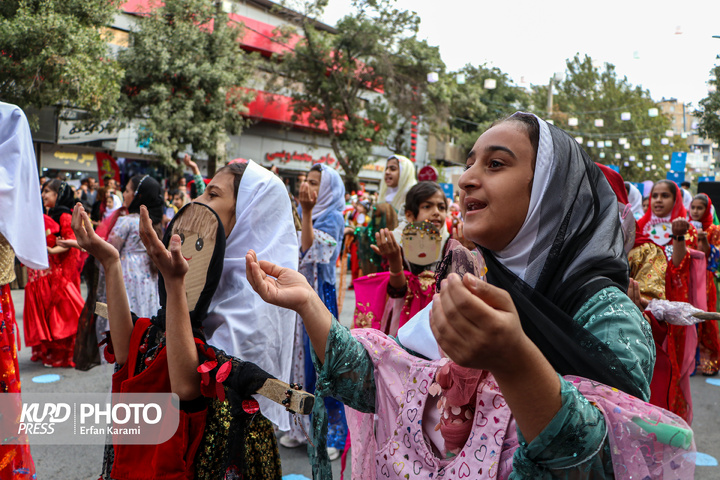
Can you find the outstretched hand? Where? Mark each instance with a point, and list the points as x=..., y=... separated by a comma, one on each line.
x=475, y=323
x=386, y=245
x=277, y=285
x=89, y=240
x=170, y=263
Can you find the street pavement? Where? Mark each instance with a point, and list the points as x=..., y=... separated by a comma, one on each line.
x=83, y=462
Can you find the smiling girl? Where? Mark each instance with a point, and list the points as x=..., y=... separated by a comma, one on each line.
x=553, y=360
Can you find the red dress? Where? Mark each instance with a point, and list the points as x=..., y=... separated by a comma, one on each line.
x=671, y=389
x=53, y=302
x=15, y=460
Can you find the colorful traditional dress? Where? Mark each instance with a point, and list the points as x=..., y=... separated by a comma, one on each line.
x=681, y=286
x=53, y=302
x=222, y=433
x=15, y=460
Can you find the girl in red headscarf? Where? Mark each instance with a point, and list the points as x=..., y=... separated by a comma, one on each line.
x=701, y=216
x=666, y=224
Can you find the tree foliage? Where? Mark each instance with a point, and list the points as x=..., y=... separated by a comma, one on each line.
x=473, y=107
x=53, y=53
x=183, y=78
x=589, y=93
x=362, y=83
x=709, y=112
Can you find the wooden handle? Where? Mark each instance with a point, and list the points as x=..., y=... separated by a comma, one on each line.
x=101, y=309
x=300, y=401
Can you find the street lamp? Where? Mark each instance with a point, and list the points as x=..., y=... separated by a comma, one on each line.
x=557, y=77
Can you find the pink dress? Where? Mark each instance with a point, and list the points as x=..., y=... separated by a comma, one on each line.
x=644, y=440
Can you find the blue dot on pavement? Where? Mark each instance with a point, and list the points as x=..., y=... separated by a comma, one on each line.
x=49, y=378
x=295, y=477
x=705, y=460
x=713, y=381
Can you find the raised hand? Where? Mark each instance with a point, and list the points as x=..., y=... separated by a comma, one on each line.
x=307, y=197
x=475, y=323
x=386, y=245
x=680, y=226
x=277, y=285
x=170, y=263
x=89, y=240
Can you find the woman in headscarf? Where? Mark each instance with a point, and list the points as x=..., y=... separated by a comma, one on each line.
x=322, y=200
x=255, y=209
x=52, y=297
x=701, y=216
x=666, y=224
x=398, y=179
x=21, y=235
x=550, y=360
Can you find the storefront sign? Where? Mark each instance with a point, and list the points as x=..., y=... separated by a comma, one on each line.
x=286, y=157
x=72, y=132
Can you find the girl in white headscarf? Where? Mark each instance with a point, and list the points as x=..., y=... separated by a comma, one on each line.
x=239, y=321
x=399, y=178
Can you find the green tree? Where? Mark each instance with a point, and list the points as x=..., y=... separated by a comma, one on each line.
x=53, y=53
x=359, y=82
x=473, y=107
x=709, y=112
x=589, y=93
x=184, y=74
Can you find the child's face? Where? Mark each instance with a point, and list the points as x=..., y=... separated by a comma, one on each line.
x=697, y=210
x=220, y=196
x=313, y=179
x=433, y=209
x=109, y=202
x=178, y=201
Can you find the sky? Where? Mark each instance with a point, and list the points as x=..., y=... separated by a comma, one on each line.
x=667, y=47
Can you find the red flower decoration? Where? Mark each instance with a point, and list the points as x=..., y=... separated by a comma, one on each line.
x=251, y=406
x=205, y=369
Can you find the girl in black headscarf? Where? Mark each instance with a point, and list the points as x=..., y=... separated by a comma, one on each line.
x=550, y=360
x=139, y=274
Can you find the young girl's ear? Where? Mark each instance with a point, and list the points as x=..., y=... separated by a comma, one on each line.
x=409, y=216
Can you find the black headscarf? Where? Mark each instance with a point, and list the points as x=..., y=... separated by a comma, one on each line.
x=573, y=248
x=64, y=203
x=148, y=193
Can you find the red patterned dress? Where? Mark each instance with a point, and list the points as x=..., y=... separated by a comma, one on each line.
x=15, y=460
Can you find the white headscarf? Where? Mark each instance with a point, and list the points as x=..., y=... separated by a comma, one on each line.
x=516, y=255
x=239, y=321
x=635, y=199
x=396, y=196
x=21, y=222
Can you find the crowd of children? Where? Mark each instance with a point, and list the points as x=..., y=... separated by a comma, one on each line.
x=508, y=333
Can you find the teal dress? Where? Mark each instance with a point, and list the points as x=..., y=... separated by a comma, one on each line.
x=575, y=442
